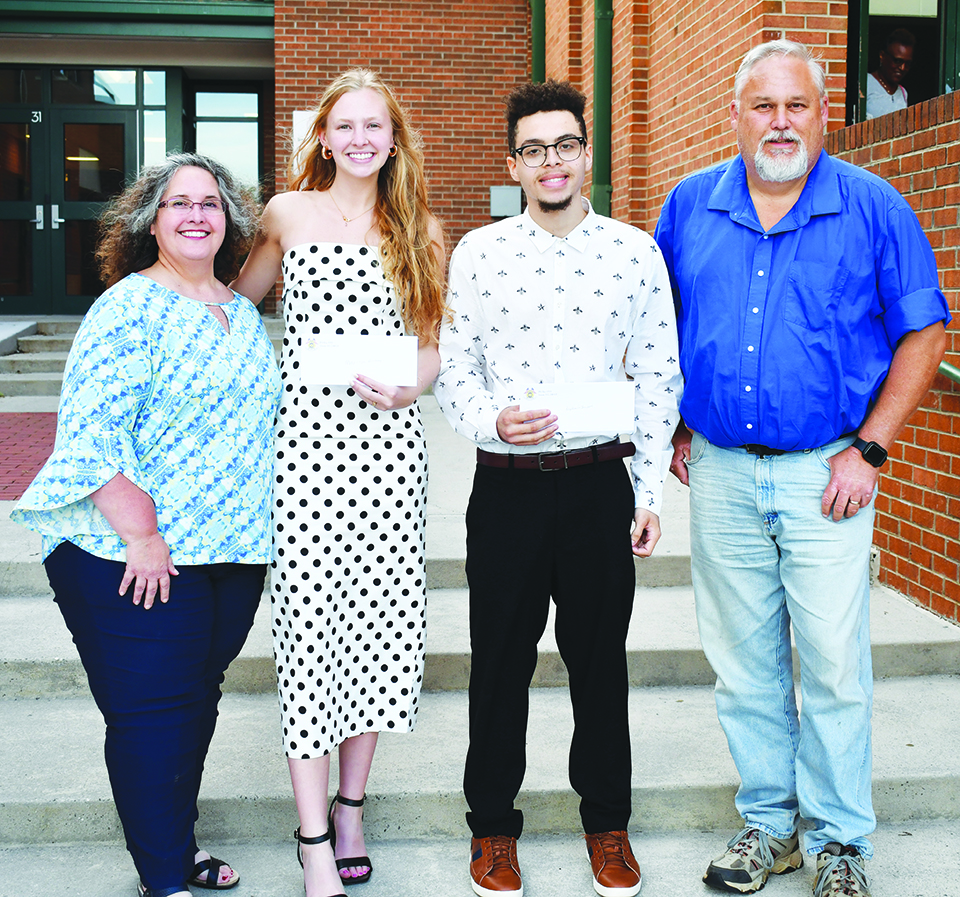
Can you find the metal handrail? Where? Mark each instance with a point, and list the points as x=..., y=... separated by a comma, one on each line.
x=949, y=371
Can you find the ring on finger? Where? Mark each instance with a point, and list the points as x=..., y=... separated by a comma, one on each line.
x=852, y=501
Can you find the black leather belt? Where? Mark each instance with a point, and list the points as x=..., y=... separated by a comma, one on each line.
x=754, y=448
x=594, y=454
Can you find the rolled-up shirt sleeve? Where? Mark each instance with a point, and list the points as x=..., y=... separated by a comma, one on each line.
x=907, y=277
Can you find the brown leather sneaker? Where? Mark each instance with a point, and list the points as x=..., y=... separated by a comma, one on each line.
x=616, y=872
x=494, y=869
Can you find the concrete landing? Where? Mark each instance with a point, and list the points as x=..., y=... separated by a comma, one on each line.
x=914, y=860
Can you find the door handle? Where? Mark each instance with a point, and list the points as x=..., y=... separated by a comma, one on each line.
x=38, y=221
x=55, y=219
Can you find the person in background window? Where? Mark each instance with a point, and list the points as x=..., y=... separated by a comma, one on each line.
x=360, y=254
x=885, y=92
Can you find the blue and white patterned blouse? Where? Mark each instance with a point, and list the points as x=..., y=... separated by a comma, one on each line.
x=157, y=390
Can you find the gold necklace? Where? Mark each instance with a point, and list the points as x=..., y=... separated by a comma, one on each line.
x=346, y=220
x=890, y=89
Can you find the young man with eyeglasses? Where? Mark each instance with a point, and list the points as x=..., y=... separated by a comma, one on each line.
x=558, y=295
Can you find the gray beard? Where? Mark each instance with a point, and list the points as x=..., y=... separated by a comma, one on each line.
x=560, y=206
x=780, y=168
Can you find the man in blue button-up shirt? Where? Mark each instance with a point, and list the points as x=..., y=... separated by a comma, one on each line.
x=811, y=325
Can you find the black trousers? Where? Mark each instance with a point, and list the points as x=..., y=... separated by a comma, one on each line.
x=534, y=535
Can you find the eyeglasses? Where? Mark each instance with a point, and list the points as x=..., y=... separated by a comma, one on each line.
x=184, y=206
x=897, y=62
x=535, y=154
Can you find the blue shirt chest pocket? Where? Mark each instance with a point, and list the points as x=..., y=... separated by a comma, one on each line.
x=812, y=295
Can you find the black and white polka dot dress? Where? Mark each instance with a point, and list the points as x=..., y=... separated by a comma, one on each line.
x=348, y=582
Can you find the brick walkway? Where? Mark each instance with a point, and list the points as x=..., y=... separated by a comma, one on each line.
x=26, y=441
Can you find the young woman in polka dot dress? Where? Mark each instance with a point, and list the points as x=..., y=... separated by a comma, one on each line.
x=359, y=253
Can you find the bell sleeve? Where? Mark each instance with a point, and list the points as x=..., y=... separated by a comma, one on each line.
x=106, y=383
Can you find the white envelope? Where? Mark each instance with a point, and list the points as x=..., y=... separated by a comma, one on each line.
x=584, y=408
x=335, y=360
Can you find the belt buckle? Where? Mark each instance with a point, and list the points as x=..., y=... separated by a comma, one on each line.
x=543, y=455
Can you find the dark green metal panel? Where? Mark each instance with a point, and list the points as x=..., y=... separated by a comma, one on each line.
x=600, y=187
x=223, y=19
x=197, y=29
x=949, y=44
x=174, y=109
x=135, y=9
x=862, y=57
x=538, y=40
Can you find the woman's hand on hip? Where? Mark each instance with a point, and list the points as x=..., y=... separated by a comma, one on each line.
x=149, y=568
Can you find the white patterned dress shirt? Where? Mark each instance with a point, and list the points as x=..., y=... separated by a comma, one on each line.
x=529, y=308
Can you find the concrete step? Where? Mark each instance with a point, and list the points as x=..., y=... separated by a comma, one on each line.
x=663, y=648
x=36, y=367
x=14, y=328
x=53, y=784
x=34, y=384
x=63, y=324
x=44, y=342
x=22, y=366
x=33, y=362
x=918, y=860
x=67, y=326
x=915, y=860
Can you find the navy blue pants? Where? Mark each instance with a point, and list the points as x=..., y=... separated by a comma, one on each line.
x=156, y=675
x=533, y=536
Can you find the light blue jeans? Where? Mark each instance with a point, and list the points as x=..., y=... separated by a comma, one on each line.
x=763, y=557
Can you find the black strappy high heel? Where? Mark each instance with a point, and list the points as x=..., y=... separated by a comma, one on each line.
x=347, y=862
x=318, y=840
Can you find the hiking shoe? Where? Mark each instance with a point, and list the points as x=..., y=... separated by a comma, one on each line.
x=749, y=859
x=841, y=873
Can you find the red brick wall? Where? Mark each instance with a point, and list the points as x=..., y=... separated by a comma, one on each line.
x=630, y=107
x=918, y=510
x=450, y=64
x=674, y=65
x=564, y=49
x=673, y=68
x=695, y=49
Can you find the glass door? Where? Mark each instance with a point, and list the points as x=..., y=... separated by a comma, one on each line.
x=24, y=267
x=93, y=155
x=57, y=169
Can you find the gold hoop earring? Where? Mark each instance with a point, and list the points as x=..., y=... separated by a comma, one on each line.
x=393, y=151
x=327, y=153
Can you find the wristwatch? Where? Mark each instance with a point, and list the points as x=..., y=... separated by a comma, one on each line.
x=872, y=452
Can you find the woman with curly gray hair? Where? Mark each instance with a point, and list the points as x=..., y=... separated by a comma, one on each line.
x=159, y=488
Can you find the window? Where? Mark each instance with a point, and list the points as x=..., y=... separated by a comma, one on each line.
x=228, y=130
x=934, y=70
